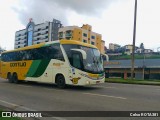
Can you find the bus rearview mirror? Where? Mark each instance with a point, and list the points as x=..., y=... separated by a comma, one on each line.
x=84, y=55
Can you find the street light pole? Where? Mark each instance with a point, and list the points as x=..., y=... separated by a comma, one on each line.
x=134, y=39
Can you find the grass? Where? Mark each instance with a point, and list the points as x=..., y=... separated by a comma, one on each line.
x=12, y=118
x=5, y=118
x=129, y=81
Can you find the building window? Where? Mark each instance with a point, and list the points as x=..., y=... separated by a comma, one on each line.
x=68, y=33
x=93, y=37
x=92, y=43
x=61, y=35
x=38, y=34
x=84, y=34
x=85, y=41
x=46, y=27
x=46, y=36
x=39, y=29
x=38, y=38
x=46, y=32
x=67, y=38
x=18, y=46
x=18, y=42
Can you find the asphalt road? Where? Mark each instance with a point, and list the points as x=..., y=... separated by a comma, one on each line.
x=103, y=97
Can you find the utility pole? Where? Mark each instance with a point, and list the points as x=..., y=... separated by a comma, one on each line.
x=143, y=64
x=134, y=39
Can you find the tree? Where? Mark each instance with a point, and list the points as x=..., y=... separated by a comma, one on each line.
x=1, y=50
x=142, y=46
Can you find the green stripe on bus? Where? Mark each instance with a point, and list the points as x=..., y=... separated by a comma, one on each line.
x=33, y=68
x=41, y=68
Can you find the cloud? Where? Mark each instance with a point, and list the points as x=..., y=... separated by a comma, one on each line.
x=46, y=10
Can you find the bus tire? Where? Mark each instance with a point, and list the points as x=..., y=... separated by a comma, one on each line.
x=60, y=81
x=15, y=78
x=9, y=77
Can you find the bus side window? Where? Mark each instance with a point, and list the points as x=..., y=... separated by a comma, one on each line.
x=49, y=51
x=28, y=55
x=3, y=57
x=76, y=60
x=58, y=53
x=42, y=53
x=18, y=56
x=35, y=54
x=10, y=57
x=23, y=55
x=54, y=52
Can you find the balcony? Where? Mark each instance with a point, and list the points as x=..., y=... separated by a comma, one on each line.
x=20, y=42
x=60, y=35
x=20, y=45
x=68, y=33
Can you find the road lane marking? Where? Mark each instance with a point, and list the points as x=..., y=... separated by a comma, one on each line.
x=27, y=109
x=58, y=118
x=54, y=89
x=15, y=105
x=12, y=104
x=105, y=87
x=24, y=85
x=41, y=87
x=105, y=95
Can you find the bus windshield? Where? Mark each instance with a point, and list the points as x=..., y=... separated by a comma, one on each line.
x=93, y=62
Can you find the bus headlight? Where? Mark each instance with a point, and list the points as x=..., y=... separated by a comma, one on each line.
x=87, y=82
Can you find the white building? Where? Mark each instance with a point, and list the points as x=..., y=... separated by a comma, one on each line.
x=37, y=33
x=148, y=51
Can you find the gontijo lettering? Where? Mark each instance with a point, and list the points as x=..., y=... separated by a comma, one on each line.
x=18, y=64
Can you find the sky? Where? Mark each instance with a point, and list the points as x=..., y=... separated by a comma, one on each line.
x=112, y=18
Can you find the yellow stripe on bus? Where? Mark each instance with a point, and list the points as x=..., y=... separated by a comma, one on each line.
x=26, y=48
x=77, y=43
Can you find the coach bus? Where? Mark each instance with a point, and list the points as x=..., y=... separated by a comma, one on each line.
x=64, y=62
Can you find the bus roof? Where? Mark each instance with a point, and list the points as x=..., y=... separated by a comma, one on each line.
x=33, y=46
x=76, y=43
x=53, y=42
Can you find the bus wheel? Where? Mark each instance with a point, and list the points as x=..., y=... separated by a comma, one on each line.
x=15, y=78
x=60, y=81
x=9, y=77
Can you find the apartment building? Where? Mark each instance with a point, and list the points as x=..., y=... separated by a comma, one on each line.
x=37, y=33
x=83, y=34
x=128, y=49
x=113, y=47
